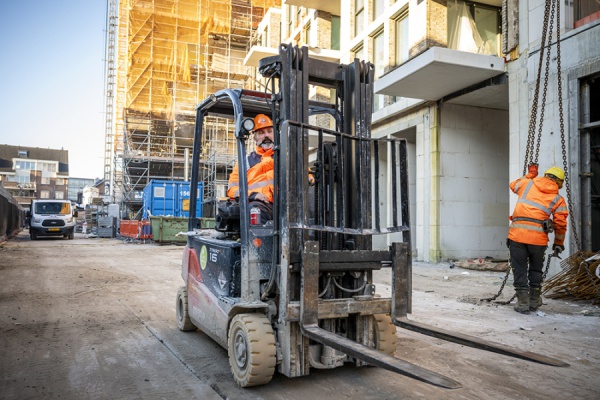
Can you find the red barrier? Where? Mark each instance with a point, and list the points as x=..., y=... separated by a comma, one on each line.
x=129, y=229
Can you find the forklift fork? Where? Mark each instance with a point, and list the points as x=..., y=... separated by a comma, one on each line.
x=309, y=324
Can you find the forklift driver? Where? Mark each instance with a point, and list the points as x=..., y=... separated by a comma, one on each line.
x=260, y=170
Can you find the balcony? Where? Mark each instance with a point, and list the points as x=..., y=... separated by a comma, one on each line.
x=441, y=72
x=331, y=6
x=257, y=53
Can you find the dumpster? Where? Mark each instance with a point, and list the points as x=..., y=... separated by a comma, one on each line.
x=169, y=198
x=165, y=229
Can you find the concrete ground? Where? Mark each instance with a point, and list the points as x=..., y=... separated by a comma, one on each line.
x=95, y=319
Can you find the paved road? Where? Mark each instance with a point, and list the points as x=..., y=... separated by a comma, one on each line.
x=95, y=319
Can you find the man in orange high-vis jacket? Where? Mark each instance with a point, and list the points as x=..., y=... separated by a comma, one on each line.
x=528, y=231
x=259, y=165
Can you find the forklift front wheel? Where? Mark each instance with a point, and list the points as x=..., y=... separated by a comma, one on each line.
x=183, y=317
x=385, y=334
x=251, y=348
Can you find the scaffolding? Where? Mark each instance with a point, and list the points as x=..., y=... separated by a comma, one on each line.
x=171, y=54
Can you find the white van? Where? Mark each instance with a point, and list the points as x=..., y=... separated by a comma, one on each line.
x=51, y=218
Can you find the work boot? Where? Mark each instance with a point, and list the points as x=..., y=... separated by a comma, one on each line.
x=522, y=305
x=535, y=298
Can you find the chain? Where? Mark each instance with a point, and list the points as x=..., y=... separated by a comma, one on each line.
x=533, y=119
x=546, y=75
x=494, y=297
x=562, y=131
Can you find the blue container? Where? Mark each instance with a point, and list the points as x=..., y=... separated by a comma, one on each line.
x=169, y=198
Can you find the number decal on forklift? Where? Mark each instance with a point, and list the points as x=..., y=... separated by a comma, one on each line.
x=203, y=257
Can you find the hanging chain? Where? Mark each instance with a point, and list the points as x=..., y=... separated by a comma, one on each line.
x=562, y=132
x=494, y=297
x=533, y=118
x=546, y=75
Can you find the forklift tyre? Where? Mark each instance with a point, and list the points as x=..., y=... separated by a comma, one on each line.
x=183, y=317
x=32, y=236
x=385, y=334
x=251, y=348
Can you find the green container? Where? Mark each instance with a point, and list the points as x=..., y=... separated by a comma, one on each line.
x=165, y=229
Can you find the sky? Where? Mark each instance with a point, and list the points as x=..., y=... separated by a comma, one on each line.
x=52, y=79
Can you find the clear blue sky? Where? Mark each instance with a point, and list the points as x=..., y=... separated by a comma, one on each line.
x=52, y=79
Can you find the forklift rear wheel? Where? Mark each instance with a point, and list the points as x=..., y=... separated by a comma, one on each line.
x=183, y=317
x=385, y=334
x=251, y=348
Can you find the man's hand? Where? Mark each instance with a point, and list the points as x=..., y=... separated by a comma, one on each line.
x=532, y=170
x=258, y=196
x=557, y=249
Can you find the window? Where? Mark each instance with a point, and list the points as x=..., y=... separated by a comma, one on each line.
x=25, y=165
x=308, y=34
x=45, y=180
x=335, y=32
x=586, y=11
x=50, y=167
x=378, y=7
x=474, y=27
x=380, y=64
x=401, y=39
x=60, y=181
x=298, y=16
x=359, y=53
x=359, y=16
x=59, y=195
x=44, y=194
x=290, y=19
x=23, y=153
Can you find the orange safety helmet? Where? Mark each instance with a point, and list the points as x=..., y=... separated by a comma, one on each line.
x=262, y=121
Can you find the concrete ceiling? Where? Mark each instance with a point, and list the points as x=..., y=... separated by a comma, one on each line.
x=439, y=72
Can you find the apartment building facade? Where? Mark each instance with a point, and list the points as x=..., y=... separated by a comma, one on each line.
x=455, y=79
x=34, y=173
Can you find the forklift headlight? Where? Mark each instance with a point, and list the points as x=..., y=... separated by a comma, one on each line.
x=248, y=124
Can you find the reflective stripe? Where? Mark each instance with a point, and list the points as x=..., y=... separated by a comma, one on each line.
x=554, y=201
x=537, y=221
x=517, y=187
x=539, y=206
x=559, y=236
x=232, y=184
x=527, y=188
x=528, y=227
x=258, y=185
x=563, y=208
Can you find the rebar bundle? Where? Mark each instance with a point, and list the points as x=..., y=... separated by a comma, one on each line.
x=578, y=278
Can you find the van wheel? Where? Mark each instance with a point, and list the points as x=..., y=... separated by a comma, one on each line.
x=71, y=236
x=251, y=348
x=183, y=317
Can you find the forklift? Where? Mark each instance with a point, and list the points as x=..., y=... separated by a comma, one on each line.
x=297, y=292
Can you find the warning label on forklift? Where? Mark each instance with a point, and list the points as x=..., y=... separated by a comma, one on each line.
x=203, y=257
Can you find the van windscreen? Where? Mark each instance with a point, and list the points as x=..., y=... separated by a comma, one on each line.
x=53, y=208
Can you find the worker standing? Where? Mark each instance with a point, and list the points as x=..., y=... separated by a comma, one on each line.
x=529, y=228
x=259, y=166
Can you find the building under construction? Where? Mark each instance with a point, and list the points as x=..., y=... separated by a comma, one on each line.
x=163, y=58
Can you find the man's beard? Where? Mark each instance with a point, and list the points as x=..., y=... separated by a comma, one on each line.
x=267, y=144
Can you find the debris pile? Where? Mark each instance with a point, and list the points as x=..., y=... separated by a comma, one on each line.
x=579, y=278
